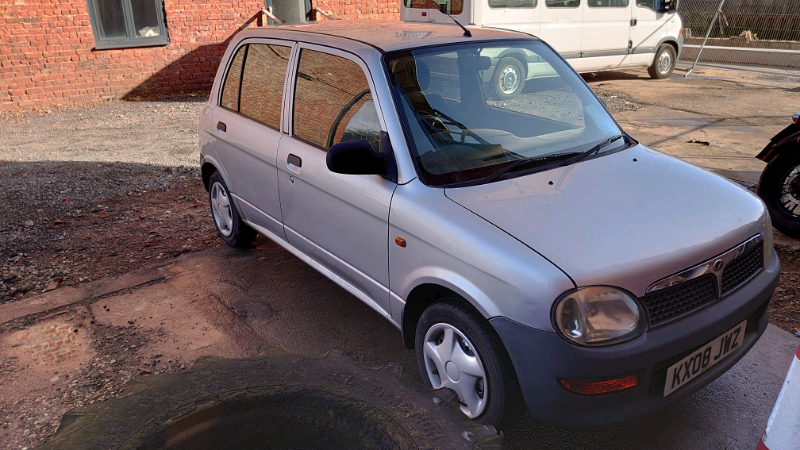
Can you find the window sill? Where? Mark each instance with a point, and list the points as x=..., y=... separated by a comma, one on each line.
x=130, y=43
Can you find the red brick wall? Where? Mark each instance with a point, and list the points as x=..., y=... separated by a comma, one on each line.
x=47, y=53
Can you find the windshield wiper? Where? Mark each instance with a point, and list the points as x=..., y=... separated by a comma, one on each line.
x=583, y=155
x=543, y=163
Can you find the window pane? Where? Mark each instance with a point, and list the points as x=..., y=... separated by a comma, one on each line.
x=230, y=90
x=562, y=3
x=145, y=18
x=331, y=95
x=512, y=3
x=448, y=6
x=608, y=3
x=645, y=4
x=112, y=20
x=262, y=85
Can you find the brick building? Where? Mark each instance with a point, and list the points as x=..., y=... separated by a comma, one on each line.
x=71, y=51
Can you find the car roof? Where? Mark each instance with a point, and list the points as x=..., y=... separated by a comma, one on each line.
x=386, y=36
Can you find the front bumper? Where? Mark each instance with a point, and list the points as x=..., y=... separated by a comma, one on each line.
x=540, y=358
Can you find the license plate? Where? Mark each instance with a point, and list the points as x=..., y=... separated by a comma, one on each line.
x=689, y=368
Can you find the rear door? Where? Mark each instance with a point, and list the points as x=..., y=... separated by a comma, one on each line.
x=606, y=29
x=562, y=26
x=248, y=128
x=341, y=221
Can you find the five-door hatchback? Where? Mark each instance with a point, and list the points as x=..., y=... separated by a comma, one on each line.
x=533, y=254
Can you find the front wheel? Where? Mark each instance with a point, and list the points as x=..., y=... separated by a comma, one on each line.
x=664, y=63
x=458, y=349
x=779, y=187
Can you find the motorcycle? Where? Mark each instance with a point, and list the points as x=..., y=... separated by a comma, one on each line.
x=779, y=185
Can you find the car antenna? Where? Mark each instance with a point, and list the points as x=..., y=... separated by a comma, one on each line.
x=442, y=10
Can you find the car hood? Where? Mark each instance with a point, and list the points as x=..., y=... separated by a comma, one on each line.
x=625, y=219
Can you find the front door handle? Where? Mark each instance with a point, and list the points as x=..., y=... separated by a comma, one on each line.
x=294, y=160
x=634, y=22
x=222, y=127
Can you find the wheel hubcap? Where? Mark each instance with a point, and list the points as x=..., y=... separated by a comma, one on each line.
x=221, y=209
x=509, y=79
x=451, y=362
x=665, y=62
x=790, y=191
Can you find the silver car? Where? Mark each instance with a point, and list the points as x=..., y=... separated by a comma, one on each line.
x=534, y=255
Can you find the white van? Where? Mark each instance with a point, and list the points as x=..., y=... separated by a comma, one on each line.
x=592, y=35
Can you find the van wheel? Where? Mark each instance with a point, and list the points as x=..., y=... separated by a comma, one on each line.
x=230, y=226
x=664, y=62
x=508, y=79
x=458, y=349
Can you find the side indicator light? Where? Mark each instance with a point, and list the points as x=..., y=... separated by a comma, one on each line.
x=601, y=387
x=400, y=241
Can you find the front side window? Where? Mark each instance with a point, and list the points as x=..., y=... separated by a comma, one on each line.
x=512, y=3
x=127, y=23
x=263, y=77
x=462, y=132
x=333, y=102
x=445, y=6
x=230, y=89
x=562, y=3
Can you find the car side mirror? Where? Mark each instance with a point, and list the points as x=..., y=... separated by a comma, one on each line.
x=355, y=158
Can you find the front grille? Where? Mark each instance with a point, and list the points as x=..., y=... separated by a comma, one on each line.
x=742, y=268
x=667, y=304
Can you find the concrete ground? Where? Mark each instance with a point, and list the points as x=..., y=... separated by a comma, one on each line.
x=235, y=303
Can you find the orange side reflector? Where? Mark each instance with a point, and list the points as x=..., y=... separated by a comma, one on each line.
x=400, y=241
x=601, y=387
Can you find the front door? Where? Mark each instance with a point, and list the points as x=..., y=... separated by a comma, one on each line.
x=340, y=221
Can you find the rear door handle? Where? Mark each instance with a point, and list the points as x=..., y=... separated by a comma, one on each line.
x=222, y=127
x=294, y=160
x=634, y=22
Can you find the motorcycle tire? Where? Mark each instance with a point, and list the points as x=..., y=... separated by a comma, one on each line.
x=779, y=187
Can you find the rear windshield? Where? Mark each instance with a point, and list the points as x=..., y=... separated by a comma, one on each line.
x=470, y=110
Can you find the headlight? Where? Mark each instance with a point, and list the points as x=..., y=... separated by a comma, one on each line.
x=768, y=242
x=598, y=315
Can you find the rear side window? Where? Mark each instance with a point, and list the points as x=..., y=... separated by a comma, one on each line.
x=230, y=90
x=608, y=3
x=512, y=3
x=333, y=102
x=262, y=83
x=562, y=3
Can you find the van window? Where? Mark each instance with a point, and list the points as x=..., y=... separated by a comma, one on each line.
x=230, y=90
x=512, y=3
x=262, y=83
x=608, y=3
x=562, y=3
x=447, y=6
x=333, y=102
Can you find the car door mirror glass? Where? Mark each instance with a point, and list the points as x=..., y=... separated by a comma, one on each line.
x=355, y=158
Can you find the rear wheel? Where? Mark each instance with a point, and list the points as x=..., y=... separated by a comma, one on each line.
x=779, y=187
x=664, y=63
x=458, y=349
x=230, y=226
x=508, y=79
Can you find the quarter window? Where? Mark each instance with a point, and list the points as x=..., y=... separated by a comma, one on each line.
x=127, y=23
x=230, y=90
x=262, y=83
x=608, y=3
x=512, y=3
x=562, y=3
x=333, y=102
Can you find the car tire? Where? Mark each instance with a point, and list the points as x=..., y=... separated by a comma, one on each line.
x=508, y=79
x=274, y=400
x=663, y=63
x=486, y=383
x=229, y=224
x=779, y=187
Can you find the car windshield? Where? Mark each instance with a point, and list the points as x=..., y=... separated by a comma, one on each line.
x=472, y=110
